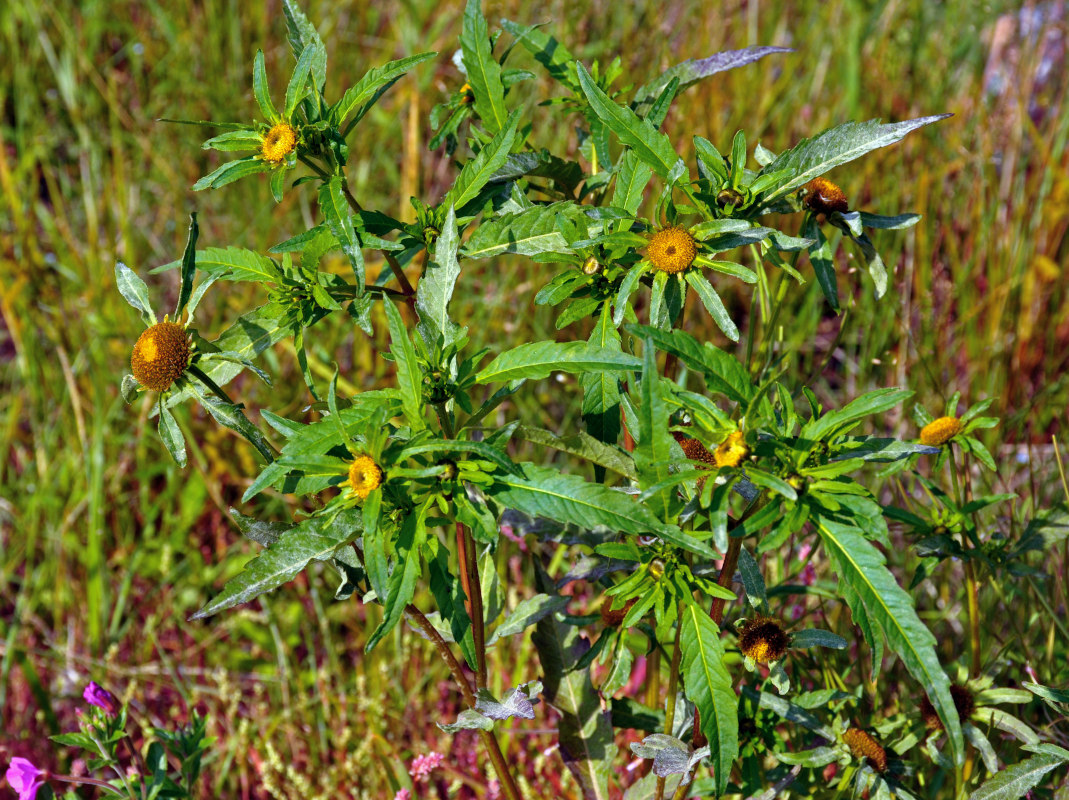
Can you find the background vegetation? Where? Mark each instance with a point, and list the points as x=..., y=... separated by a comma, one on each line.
x=106, y=547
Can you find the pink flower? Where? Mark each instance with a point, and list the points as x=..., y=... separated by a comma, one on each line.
x=100, y=697
x=403, y=794
x=493, y=791
x=25, y=778
x=423, y=766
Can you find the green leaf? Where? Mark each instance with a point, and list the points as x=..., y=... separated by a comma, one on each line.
x=862, y=567
x=435, y=288
x=461, y=448
x=546, y=50
x=134, y=291
x=230, y=172
x=811, y=158
x=527, y=612
x=477, y=172
x=540, y=359
x=526, y=233
x=1016, y=781
x=335, y=208
x=583, y=446
x=708, y=685
x=482, y=69
x=895, y=223
x=238, y=264
x=649, y=144
x=812, y=637
x=631, y=181
x=409, y=374
x=693, y=70
x=315, y=538
x=360, y=97
x=302, y=34
x=568, y=498
x=601, y=390
x=653, y=454
x=835, y=422
x=189, y=266
x=172, y=436
x=712, y=302
x=235, y=141
x=401, y=585
x=822, y=257
x=231, y=416
x=298, y=85
x=723, y=372
x=260, y=90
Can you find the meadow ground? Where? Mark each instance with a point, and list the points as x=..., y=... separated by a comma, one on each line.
x=106, y=547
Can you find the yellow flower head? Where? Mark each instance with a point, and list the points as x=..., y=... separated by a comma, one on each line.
x=762, y=640
x=161, y=354
x=279, y=142
x=941, y=431
x=824, y=197
x=364, y=477
x=467, y=96
x=862, y=745
x=963, y=702
x=671, y=249
x=731, y=451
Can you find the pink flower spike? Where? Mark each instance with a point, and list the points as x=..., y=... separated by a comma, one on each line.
x=25, y=778
x=403, y=794
x=423, y=766
x=97, y=695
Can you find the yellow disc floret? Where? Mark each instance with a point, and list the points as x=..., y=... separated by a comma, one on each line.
x=941, y=431
x=762, y=640
x=863, y=745
x=731, y=451
x=160, y=356
x=279, y=142
x=364, y=477
x=671, y=249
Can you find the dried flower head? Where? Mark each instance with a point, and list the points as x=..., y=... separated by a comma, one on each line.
x=279, y=142
x=160, y=356
x=824, y=197
x=612, y=617
x=940, y=431
x=963, y=702
x=672, y=249
x=863, y=745
x=731, y=451
x=693, y=449
x=364, y=477
x=762, y=640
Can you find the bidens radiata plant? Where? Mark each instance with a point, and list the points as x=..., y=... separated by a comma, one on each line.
x=693, y=463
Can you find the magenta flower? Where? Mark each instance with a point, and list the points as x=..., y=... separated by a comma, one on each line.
x=423, y=766
x=25, y=778
x=100, y=697
x=403, y=794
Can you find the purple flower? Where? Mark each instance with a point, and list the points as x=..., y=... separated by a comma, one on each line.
x=25, y=778
x=100, y=697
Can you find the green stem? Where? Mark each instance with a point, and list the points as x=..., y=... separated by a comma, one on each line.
x=88, y=781
x=972, y=587
x=395, y=265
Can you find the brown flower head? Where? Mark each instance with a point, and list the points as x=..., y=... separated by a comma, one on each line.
x=279, y=142
x=160, y=356
x=693, y=449
x=612, y=617
x=762, y=640
x=963, y=702
x=671, y=249
x=863, y=745
x=823, y=197
x=940, y=431
x=365, y=476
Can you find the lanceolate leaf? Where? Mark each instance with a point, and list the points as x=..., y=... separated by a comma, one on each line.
x=483, y=71
x=238, y=264
x=649, y=144
x=545, y=492
x=134, y=291
x=478, y=171
x=363, y=95
x=336, y=211
x=435, y=288
x=723, y=373
x=540, y=359
x=302, y=34
x=654, y=451
x=811, y=158
x=409, y=374
x=526, y=233
x=860, y=565
x=401, y=585
x=708, y=685
x=546, y=50
x=631, y=181
x=693, y=70
x=189, y=266
x=1016, y=781
x=601, y=390
x=584, y=446
x=260, y=89
x=528, y=612
x=314, y=539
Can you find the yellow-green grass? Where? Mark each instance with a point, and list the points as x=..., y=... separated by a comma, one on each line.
x=106, y=547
